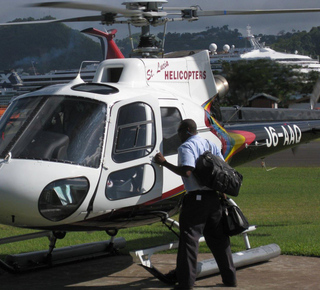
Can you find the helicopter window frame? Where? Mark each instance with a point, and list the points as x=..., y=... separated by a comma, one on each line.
x=61, y=198
x=137, y=127
x=130, y=182
x=170, y=140
x=140, y=134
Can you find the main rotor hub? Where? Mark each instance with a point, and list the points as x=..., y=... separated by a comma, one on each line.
x=147, y=5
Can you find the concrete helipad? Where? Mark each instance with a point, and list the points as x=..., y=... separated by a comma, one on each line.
x=283, y=272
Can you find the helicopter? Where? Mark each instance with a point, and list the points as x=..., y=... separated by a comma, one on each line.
x=79, y=156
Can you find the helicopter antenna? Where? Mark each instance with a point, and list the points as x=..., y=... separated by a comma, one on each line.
x=130, y=36
x=164, y=37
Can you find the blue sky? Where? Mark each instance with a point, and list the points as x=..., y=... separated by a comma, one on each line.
x=266, y=24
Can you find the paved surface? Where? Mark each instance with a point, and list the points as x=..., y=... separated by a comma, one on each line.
x=119, y=273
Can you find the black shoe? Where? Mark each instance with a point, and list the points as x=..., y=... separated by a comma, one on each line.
x=171, y=277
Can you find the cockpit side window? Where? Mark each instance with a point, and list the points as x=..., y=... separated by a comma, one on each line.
x=170, y=118
x=54, y=128
x=135, y=132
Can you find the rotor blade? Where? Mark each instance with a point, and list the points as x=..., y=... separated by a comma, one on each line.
x=254, y=12
x=98, y=7
x=86, y=6
x=76, y=19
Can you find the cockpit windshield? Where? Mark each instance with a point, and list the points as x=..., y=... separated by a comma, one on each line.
x=54, y=128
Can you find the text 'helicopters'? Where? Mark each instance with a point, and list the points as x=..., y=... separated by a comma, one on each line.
x=78, y=156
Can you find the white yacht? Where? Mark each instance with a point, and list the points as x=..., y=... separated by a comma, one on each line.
x=258, y=50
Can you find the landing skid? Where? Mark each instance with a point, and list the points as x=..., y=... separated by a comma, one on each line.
x=209, y=267
x=53, y=257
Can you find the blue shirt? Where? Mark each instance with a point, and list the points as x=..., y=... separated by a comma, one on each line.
x=188, y=154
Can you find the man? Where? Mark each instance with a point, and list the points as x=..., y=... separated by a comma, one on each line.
x=200, y=213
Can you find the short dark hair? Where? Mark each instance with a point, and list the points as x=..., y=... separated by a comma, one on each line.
x=189, y=124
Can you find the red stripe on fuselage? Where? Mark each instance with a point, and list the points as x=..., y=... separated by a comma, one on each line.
x=168, y=194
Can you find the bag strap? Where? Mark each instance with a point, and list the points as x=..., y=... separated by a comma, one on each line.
x=210, y=147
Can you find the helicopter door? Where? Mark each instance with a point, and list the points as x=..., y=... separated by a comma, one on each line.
x=129, y=177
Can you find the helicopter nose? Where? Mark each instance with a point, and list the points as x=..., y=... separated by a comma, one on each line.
x=38, y=194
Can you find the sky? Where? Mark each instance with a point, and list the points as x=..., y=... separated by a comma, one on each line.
x=264, y=24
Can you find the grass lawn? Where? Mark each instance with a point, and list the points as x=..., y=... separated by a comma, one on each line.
x=284, y=203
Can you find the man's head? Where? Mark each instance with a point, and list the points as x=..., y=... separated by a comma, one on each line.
x=187, y=128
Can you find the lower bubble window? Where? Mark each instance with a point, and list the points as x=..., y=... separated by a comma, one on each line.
x=61, y=198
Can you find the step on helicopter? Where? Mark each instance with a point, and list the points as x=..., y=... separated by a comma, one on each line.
x=81, y=154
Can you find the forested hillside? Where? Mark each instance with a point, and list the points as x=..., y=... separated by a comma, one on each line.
x=46, y=47
x=56, y=46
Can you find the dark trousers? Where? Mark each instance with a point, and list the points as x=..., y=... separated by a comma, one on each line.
x=201, y=215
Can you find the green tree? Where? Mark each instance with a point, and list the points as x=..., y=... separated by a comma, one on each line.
x=247, y=78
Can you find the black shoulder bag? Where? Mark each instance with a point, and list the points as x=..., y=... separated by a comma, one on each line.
x=213, y=172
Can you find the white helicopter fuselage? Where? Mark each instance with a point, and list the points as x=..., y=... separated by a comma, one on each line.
x=78, y=156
